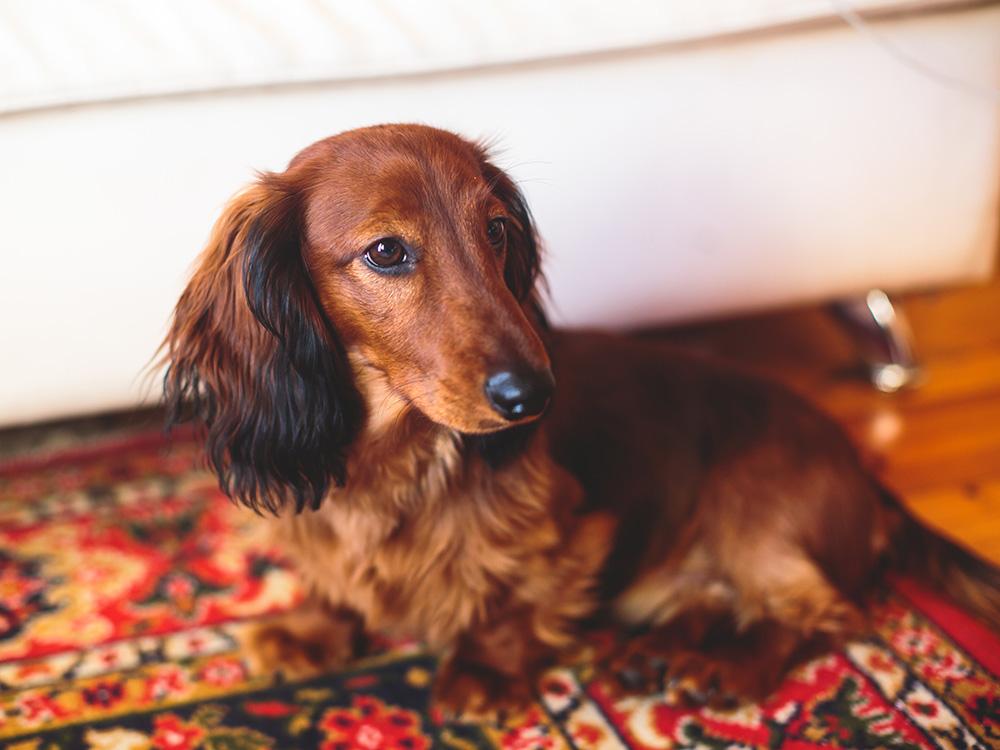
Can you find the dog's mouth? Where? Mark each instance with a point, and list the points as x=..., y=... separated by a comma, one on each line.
x=469, y=421
x=493, y=426
x=489, y=426
x=474, y=419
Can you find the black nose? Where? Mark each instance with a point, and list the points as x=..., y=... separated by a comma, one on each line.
x=517, y=395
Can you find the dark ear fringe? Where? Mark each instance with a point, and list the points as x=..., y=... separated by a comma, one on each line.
x=314, y=415
x=523, y=270
x=277, y=401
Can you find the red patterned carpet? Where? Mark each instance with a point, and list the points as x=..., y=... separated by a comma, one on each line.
x=128, y=583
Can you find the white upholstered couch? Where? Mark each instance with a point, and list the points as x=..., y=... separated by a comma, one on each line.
x=683, y=158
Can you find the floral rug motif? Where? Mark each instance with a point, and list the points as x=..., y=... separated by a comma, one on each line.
x=129, y=584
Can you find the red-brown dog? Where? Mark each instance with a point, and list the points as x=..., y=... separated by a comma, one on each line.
x=364, y=343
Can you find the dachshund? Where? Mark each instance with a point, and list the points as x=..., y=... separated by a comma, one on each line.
x=364, y=343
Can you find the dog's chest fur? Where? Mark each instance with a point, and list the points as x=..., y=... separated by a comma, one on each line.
x=424, y=543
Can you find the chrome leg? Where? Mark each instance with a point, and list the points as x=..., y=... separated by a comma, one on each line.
x=884, y=338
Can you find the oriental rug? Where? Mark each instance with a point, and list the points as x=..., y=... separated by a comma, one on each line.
x=129, y=583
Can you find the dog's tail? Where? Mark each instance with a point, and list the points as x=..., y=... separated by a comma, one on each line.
x=917, y=551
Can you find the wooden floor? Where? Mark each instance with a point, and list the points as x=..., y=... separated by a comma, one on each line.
x=937, y=445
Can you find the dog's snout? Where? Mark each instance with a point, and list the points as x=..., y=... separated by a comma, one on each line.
x=518, y=395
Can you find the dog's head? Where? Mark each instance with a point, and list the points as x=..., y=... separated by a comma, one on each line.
x=387, y=264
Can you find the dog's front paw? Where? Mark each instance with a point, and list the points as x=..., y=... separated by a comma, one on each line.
x=649, y=664
x=303, y=644
x=697, y=679
x=276, y=648
x=471, y=692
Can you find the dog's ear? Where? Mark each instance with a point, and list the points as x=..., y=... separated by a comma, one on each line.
x=251, y=354
x=523, y=269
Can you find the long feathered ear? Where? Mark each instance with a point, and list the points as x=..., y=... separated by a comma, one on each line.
x=523, y=270
x=251, y=355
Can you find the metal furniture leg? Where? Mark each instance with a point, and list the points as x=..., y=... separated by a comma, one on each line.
x=884, y=338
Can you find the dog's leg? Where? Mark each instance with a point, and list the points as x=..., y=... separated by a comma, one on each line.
x=495, y=667
x=307, y=641
x=786, y=611
x=734, y=665
x=782, y=611
x=492, y=670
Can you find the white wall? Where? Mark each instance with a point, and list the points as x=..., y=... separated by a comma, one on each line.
x=668, y=183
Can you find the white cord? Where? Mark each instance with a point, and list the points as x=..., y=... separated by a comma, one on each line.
x=847, y=12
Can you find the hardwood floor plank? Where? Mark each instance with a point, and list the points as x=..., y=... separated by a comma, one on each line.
x=968, y=514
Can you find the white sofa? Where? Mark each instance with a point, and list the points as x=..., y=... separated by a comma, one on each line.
x=683, y=159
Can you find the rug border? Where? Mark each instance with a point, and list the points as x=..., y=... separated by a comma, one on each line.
x=968, y=633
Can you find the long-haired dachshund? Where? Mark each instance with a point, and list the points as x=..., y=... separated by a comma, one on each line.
x=364, y=343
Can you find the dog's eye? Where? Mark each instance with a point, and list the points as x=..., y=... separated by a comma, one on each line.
x=386, y=253
x=496, y=231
